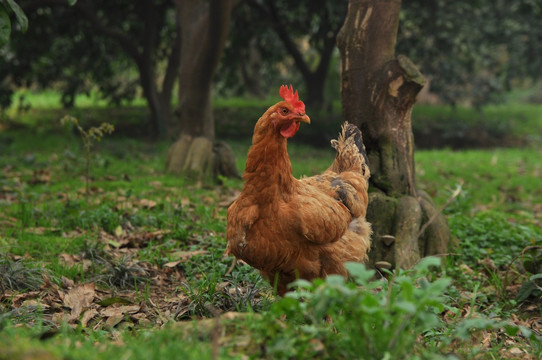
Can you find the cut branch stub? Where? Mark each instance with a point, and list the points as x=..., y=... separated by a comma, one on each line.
x=190, y=157
x=389, y=129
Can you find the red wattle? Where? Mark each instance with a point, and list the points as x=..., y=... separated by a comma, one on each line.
x=289, y=130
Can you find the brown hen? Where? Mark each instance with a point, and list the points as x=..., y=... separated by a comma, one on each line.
x=307, y=228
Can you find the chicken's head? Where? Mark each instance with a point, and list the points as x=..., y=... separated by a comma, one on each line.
x=286, y=115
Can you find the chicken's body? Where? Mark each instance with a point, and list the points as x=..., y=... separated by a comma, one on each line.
x=307, y=228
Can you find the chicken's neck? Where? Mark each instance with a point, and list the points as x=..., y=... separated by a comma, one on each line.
x=268, y=168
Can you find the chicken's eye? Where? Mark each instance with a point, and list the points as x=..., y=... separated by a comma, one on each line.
x=284, y=111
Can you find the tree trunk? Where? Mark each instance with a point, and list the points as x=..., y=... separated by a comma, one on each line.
x=159, y=103
x=315, y=90
x=378, y=92
x=143, y=52
x=204, y=27
x=251, y=69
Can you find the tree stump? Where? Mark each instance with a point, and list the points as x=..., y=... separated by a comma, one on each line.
x=195, y=155
x=197, y=158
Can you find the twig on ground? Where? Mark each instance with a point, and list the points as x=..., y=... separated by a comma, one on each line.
x=231, y=267
x=514, y=260
x=455, y=194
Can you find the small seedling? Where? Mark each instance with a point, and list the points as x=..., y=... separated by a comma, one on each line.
x=89, y=137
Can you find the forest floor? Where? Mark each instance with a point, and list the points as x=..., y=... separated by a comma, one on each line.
x=133, y=266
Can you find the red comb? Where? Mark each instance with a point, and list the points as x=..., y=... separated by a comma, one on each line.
x=287, y=93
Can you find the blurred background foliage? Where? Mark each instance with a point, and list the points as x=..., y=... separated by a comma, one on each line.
x=473, y=53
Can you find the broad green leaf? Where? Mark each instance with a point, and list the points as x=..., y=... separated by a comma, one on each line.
x=407, y=306
x=302, y=284
x=359, y=272
x=5, y=27
x=336, y=280
x=370, y=304
x=72, y=2
x=526, y=289
x=426, y=263
x=19, y=14
x=511, y=330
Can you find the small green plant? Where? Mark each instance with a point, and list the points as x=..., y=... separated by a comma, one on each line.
x=399, y=318
x=362, y=319
x=25, y=210
x=532, y=263
x=126, y=273
x=20, y=275
x=489, y=234
x=89, y=137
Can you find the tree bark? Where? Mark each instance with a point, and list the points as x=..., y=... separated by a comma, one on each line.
x=378, y=93
x=204, y=28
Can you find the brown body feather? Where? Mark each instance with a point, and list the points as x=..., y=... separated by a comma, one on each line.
x=307, y=228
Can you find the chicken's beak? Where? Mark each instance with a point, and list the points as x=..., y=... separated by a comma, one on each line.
x=304, y=119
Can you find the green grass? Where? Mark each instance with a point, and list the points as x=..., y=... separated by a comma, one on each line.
x=506, y=180
x=503, y=125
x=508, y=124
x=156, y=241
x=167, y=343
x=51, y=99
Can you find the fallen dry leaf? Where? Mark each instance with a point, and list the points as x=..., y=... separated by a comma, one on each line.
x=184, y=256
x=79, y=299
x=19, y=299
x=116, y=314
x=87, y=316
x=515, y=351
x=40, y=177
x=156, y=184
x=114, y=320
x=142, y=319
x=69, y=259
x=73, y=233
x=172, y=264
x=147, y=204
x=125, y=205
x=67, y=283
x=120, y=310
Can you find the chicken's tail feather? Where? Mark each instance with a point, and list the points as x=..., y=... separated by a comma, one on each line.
x=351, y=153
